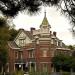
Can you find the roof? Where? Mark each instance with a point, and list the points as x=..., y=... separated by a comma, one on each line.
x=13, y=45
x=45, y=21
x=65, y=49
x=28, y=33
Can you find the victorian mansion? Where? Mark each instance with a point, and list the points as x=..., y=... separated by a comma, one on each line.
x=35, y=49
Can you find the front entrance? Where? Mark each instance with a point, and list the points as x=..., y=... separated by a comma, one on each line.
x=22, y=67
x=18, y=66
x=31, y=66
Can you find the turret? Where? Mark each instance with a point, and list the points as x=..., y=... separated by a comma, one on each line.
x=45, y=21
x=45, y=24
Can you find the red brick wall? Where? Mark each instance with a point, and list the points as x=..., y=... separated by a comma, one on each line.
x=11, y=60
x=38, y=55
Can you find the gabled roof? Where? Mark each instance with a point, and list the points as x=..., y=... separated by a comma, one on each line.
x=28, y=33
x=13, y=45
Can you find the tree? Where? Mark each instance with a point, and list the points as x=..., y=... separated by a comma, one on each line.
x=13, y=32
x=7, y=6
x=62, y=62
x=70, y=10
x=4, y=37
x=6, y=34
x=33, y=6
x=3, y=58
x=72, y=64
x=57, y=61
x=71, y=47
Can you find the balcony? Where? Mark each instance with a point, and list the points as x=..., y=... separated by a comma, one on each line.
x=31, y=59
x=19, y=60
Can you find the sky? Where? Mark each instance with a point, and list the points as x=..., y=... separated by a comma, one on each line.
x=59, y=23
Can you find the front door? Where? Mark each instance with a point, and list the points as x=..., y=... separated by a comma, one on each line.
x=18, y=66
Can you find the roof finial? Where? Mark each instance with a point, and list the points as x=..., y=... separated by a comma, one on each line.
x=45, y=12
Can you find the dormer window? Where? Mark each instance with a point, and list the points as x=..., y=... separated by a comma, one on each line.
x=22, y=42
x=57, y=43
x=52, y=41
x=61, y=43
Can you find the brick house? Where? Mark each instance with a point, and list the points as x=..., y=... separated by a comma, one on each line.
x=34, y=49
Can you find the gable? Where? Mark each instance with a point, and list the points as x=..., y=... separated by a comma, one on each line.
x=22, y=38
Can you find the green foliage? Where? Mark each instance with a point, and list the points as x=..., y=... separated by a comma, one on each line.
x=20, y=72
x=33, y=6
x=5, y=35
x=3, y=56
x=71, y=47
x=13, y=34
x=58, y=61
x=3, y=22
x=7, y=6
x=65, y=73
x=62, y=61
x=72, y=62
x=38, y=73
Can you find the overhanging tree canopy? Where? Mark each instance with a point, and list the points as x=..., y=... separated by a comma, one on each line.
x=6, y=34
x=12, y=7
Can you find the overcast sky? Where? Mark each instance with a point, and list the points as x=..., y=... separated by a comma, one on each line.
x=58, y=22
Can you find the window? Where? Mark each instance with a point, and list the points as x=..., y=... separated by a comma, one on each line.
x=57, y=43
x=52, y=41
x=16, y=55
x=31, y=54
x=44, y=53
x=61, y=43
x=20, y=55
x=22, y=42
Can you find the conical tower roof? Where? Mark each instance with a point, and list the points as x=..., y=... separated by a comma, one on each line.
x=45, y=21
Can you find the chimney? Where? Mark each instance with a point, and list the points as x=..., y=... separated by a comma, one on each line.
x=54, y=33
x=21, y=29
x=32, y=30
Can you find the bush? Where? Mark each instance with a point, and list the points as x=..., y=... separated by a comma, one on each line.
x=66, y=73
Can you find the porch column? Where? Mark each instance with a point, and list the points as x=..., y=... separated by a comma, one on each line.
x=52, y=69
x=14, y=66
x=2, y=69
x=30, y=66
x=8, y=67
x=35, y=66
x=22, y=67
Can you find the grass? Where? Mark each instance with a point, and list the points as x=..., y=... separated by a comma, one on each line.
x=20, y=72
